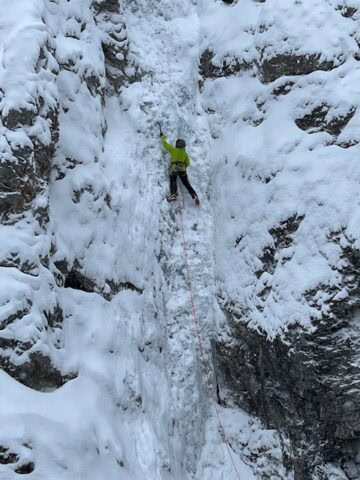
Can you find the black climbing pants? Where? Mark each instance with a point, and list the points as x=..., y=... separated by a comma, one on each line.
x=184, y=178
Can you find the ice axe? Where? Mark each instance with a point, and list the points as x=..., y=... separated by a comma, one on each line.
x=159, y=124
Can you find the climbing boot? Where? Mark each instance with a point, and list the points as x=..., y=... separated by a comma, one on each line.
x=197, y=201
x=172, y=198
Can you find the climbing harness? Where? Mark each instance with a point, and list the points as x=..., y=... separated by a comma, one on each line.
x=178, y=167
x=198, y=333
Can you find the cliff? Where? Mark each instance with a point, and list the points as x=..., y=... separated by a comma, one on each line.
x=102, y=375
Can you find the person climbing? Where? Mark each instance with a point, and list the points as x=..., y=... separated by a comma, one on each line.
x=179, y=163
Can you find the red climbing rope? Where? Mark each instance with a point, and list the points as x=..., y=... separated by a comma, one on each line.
x=198, y=332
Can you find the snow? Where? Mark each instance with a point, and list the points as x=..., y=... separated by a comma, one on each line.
x=140, y=405
x=290, y=26
x=308, y=174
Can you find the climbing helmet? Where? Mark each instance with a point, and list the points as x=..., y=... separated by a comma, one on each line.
x=180, y=143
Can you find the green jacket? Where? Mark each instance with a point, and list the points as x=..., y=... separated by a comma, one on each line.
x=179, y=158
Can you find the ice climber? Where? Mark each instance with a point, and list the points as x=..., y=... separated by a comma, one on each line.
x=178, y=165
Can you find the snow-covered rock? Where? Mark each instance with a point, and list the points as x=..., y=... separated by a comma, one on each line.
x=285, y=213
x=103, y=375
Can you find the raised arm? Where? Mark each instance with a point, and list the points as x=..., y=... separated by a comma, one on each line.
x=166, y=145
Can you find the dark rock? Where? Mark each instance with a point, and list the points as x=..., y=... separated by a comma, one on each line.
x=38, y=373
x=43, y=153
x=306, y=385
x=347, y=11
x=36, y=370
x=116, y=287
x=101, y=6
x=107, y=200
x=78, y=281
x=7, y=457
x=54, y=317
x=348, y=144
x=292, y=64
x=109, y=18
x=283, y=89
x=22, y=180
x=94, y=85
x=316, y=120
x=15, y=261
x=41, y=214
x=17, y=346
x=231, y=65
x=17, y=315
x=115, y=66
x=18, y=118
x=281, y=383
x=11, y=203
x=78, y=193
x=18, y=185
x=282, y=238
x=62, y=266
x=26, y=468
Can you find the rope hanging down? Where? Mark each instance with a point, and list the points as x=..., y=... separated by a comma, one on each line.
x=198, y=333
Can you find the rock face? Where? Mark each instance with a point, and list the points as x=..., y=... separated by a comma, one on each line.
x=36, y=95
x=290, y=351
x=229, y=66
x=305, y=383
x=67, y=255
x=110, y=20
x=291, y=64
x=281, y=51
x=316, y=120
x=30, y=135
x=101, y=368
